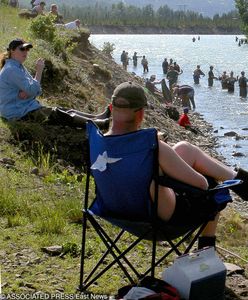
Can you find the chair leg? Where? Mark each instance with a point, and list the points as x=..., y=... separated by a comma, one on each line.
x=93, y=271
x=195, y=237
x=174, y=247
x=154, y=244
x=81, y=287
x=110, y=244
x=106, y=237
x=116, y=260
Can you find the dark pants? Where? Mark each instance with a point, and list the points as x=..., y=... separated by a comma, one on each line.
x=193, y=209
x=210, y=81
x=66, y=117
x=243, y=92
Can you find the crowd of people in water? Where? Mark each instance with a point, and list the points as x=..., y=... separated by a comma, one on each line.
x=172, y=71
x=182, y=95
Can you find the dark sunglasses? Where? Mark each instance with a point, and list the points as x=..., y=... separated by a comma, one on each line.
x=23, y=49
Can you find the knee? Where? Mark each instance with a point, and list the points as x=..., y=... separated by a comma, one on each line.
x=183, y=147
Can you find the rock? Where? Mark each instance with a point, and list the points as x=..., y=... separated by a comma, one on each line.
x=34, y=171
x=7, y=161
x=238, y=137
x=246, y=128
x=216, y=131
x=29, y=285
x=2, y=253
x=37, y=261
x=238, y=154
x=4, y=284
x=230, y=133
x=53, y=250
x=233, y=269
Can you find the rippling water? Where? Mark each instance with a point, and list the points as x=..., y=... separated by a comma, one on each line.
x=227, y=112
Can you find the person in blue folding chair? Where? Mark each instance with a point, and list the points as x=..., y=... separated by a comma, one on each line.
x=141, y=180
x=184, y=162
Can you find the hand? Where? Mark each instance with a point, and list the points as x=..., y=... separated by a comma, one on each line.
x=40, y=64
x=23, y=95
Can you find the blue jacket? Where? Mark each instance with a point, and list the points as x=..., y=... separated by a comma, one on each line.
x=14, y=78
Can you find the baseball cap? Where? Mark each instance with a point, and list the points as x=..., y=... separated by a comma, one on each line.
x=185, y=109
x=18, y=42
x=129, y=95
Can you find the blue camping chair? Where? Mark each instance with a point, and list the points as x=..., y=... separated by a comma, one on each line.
x=123, y=167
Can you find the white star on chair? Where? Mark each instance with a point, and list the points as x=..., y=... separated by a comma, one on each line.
x=102, y=161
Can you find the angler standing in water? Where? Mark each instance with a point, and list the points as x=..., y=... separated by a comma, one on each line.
x=135, y=59
x=144, y=63
x=211, y=76
x=172, y=76
x=223, y=78
x=243, y=85
x=230, y=82
x=197, y=74
x=165, y=66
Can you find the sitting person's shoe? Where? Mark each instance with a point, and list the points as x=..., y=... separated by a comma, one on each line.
x=103, y=124
x=242, y=189
x=206, y=241
x=105, y=115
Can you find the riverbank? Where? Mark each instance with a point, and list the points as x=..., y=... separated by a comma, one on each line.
x=107, y=29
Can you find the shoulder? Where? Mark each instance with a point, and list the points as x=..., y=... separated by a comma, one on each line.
x=11, y=66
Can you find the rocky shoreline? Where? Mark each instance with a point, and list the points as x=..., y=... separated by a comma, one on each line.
x=107, y=29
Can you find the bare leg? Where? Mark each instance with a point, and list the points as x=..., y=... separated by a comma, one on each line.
x=206, y=165
x=203, y=163
x=211, y=227
x=192, y=100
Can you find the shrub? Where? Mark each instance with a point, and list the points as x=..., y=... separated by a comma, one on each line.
x=4, y=2
x=43, y=27
x=108, y=48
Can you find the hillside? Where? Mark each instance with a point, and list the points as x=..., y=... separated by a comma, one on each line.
x=41, y=188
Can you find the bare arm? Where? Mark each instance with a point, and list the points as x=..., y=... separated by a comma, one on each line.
x=24, y=94
x=174, y=166
x=40, y=64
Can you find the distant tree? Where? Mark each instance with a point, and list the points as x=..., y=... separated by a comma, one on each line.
x=242, y=6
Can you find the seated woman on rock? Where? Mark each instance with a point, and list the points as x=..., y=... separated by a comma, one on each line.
x=19, y=89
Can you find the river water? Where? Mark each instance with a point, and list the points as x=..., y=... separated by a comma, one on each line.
x=226, y=112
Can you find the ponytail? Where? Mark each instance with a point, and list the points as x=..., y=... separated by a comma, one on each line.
x=3, y=58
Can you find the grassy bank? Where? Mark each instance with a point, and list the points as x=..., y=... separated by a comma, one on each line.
x=40, y=200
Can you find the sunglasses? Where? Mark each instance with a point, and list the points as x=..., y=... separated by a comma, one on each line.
x=23, y=49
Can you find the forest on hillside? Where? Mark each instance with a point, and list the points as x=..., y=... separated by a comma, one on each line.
x=121, y=14
x=206, y=8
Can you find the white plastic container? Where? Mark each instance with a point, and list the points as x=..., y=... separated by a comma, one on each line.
x=200, y=275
